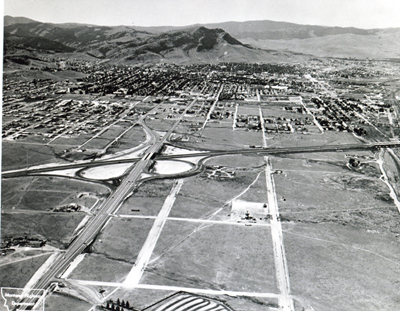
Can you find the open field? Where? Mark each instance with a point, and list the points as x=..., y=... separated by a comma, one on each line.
x=148, y=199
x=130, y=139
x=298, y=139
x=17, y=155
x=239, y=258
x=141, y=298
x=329, y=261
x=200, y=196
x=72, y=141
x=56, y=228
x=111, y=270
x=159, y=124
x=141, y=205
x=237, y=161
x=19, y=273
x=325, y=192
x=59, y=302
x=122, y=239
x=45, y=193
x=98, y=143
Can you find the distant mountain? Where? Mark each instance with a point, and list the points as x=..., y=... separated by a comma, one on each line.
x=123, y=44
x=10, y=20
x=317, y=40
x=33, y=43
x=257, y=41
x=271, y=30
x=281, y=30
x=320, y=41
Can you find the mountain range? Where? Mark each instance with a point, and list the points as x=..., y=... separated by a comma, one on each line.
x=254, y=41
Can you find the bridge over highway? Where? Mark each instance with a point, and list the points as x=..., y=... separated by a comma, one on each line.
x=151, y=154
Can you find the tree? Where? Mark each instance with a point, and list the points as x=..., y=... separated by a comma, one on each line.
x=127, y=304
x=118, y=302
x=123, y=303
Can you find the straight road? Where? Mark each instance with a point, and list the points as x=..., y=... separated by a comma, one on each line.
x=121, y=118
x=212, y=108
x=109, y=207
x=133, y=278
x=185, y=289
x=265, y=150
x=281, y=269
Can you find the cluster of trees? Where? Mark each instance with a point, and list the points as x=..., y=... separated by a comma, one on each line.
x=360, y=131
x=118, y=305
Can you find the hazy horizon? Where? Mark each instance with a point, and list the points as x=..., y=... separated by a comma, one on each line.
x=177, y=13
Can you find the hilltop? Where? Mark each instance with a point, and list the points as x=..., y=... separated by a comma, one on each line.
x=252, y=41
x=125, y=45
x=319, y=41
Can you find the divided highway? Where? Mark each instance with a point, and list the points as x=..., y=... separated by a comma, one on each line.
x=109, y=207
x=261, y=151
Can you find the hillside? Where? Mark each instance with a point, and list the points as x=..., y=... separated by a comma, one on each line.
x=124, y=45
x=383, y=44
x=308, y=39
x=281, y=30
x=263, y=30
x=10, y=20
x=258, y=41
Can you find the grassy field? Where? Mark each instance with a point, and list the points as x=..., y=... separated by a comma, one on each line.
x=108, y=136
x=97, y=267
x=45, y=193
x=57, y=302
x=142, y=205
x=213, y=256
x=73, y=141
x=329, y=192
x=298, y=139
x=148, y=198
x=200, y=196
x=56, y=228
x=19, y=273
x=98, y=143
x=221, y=137
x=16, y=155
x=335, y=267
x=162, y=125
x=130, y=139
x=122, y=239
x=237, y=161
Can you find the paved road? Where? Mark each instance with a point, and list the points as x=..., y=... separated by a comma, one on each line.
x=281, y=268
x=286, y=150
x=261, y=151
x=134, y=276
x=108, y=208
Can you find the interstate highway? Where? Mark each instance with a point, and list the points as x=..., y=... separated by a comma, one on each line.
x=106, y=210
x=261, y=151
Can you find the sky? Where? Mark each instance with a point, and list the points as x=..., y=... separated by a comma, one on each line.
x=344, y=13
